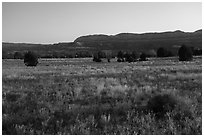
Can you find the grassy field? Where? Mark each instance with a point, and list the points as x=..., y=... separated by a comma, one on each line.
x=78, y=96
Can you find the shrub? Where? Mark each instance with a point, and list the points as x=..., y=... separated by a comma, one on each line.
x=185, y=53
x=12, y=97
x=143, y=57
x=128, y=57
x=18, y=55
x=161, y=52
x=97, y=56
x=196, y=51
x=108, y=54
x=120, y=60
x=162, y=104
x=120, y=56
x=134, y=55
x=30, y=59
x=101, y=54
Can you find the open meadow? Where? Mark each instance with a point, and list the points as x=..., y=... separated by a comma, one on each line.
x=79, y=96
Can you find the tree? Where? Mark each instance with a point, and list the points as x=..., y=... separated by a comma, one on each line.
x=128, y=57
x=161, y=52
x=120, y=56
x=185, y=53
x=97, y=56
x=108, y=54
x=151, y=53
x=30, y=59
x=196, y=51
x=18, y=55
x=134, y=55
x=143, y=57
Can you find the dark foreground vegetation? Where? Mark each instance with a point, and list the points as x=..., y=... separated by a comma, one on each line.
x=79, y=96
x=30, y=59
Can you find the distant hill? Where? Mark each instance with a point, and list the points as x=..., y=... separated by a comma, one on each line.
x=131, y=41
x=122, y=41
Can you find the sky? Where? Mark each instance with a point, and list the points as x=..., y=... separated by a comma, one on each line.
x=53, y=22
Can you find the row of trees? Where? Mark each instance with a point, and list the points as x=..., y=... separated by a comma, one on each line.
x=55, y=54
x=131, y=57
x=185, y=54
x=161, y=52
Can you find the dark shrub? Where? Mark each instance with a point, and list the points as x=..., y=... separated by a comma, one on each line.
x=119, y=60
x=12, y=97
x=185, y=53
x=128, y=57
x=163, y=103
x=101, y=54
x=143, y=57
x=120, y=54
x=30, y=59
x=161, y=52
x=97, y=57
x=196, y=51
x=18, y=55
x=134, y=55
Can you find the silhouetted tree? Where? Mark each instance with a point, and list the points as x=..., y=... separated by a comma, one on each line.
x=97, y=56
x=128, y=57
x=143, y=57
x=101, y=54
x=119, y=60
x=161, y=52
x=96, y=59
x=134, y=55
x=108, y=54
x=196, y=51
x=30, y=59
x=18, y=55
x=120, y=56
x=185, y=53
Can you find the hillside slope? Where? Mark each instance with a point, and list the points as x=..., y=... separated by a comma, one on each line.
x=122, y=41
x=130, y=41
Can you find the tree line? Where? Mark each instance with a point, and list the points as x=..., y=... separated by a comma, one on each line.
x=185, y=54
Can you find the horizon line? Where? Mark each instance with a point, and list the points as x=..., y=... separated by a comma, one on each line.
x=148, y=32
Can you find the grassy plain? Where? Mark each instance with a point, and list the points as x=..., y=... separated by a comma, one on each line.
x=78, y=96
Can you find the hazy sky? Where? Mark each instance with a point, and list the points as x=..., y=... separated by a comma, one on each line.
x=64, y=22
